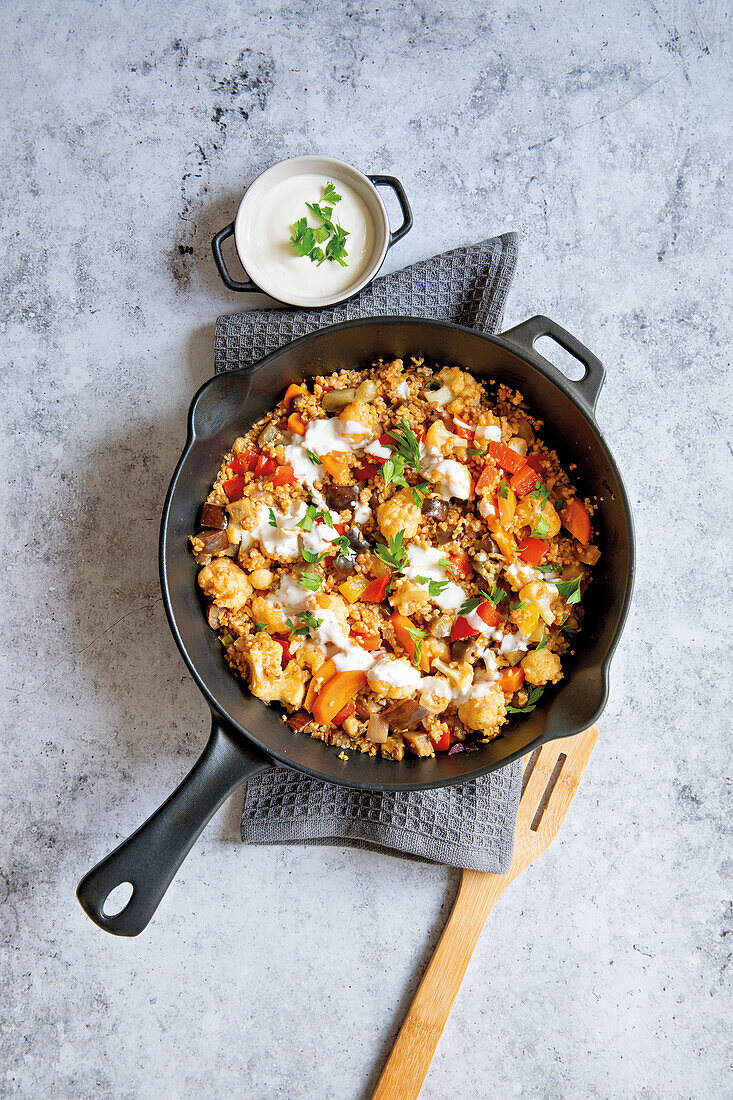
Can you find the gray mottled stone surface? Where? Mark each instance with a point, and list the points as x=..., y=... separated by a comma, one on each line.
x=601, y=133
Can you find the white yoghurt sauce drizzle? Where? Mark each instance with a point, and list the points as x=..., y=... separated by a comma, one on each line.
x=269, y=229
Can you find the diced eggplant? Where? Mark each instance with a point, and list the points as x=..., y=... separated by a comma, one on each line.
x=405, y=715
x=340, y=497
x=358, y=543
x=434, y=508
x=337, y=399
x=213, y=515
x=345, y=563
x=213, y=542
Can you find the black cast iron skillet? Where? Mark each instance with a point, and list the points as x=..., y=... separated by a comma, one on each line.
x=247, y=735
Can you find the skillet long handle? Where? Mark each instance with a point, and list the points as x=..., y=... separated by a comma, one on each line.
x=149, y=859
x=410, y=1058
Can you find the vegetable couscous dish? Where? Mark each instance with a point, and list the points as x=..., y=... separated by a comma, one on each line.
x=395, y=558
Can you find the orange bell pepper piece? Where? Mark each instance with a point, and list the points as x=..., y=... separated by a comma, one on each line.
x=506, y=505
x=575, y=517
x=336, y=463
x=291, y=392
x=485, y=479
x=337, y=692
x=320, y=677
x=511, y=679
x=366, y=641
x=347, y=712
x=296, y=424
x=402, y=625
x=532, y=551
x=460, y=566
x=284, y=475
x=376, y=590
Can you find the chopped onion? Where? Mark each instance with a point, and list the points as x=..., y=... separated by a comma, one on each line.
x=439, y=397
x=405, y=715
x=337, y=399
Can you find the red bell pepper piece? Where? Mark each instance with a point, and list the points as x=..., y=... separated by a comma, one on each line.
x=575, y=517
x=284, y=475
x=489, y=614
x=265, y=466
x=532, y=551
x=524, y=481
x=505, y=457
x=245, y=462
x=344, y=713
x=537, y=462
x=376, y=590
x=443, y=742
x=462, y=629
x=460, y=566
x=463, y=431
x=342, y=528
x=234, y=488
x=367, y=471
x=287, y=653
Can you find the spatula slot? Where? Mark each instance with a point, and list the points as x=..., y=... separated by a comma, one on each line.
x=529, y=768
x=547, y=793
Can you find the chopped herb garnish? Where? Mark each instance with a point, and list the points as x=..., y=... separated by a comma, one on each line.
x=260, y=626
x=313, y=559
x=393, y=470
x=470, y=605
x=476, y=451
x=343, y=544
x=533, y=699
x=542, y=644
x=545, y=568
x=418, y=493
x=417, y=637
x=311, y=581
x=518, y=605
x=272, y=521
x=309, y=518
x=540, y=492
x=541, y=529
x=503, y=489
x=394, y=555
x=307, y=241
x=433, y=384
x=404, y=442
x=497, y=595
x=310, y=622
x=314, y=458
x=570, y=590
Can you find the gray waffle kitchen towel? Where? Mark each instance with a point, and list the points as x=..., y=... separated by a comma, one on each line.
x=469, y=825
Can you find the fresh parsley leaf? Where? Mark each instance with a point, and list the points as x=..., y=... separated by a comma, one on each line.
x=325, y=517
x=518, y=605
x=303, y=238
x=259, y=627
x=394, y=470
x=540, y=492
x=497, y=595
x=542, y=644
x=545, y=568
x=309, y=620
x=570, y=590
x=533, y=699
x=417, y=637
x=418, y=493
x=476, y=451
x=313, y=457
x=308, y=519
x=541, y=529
x=330, y=194
x=393, y=555
x=313, y=559
x=336, y=247
x=343, y=544
x=311, y=581
x=317, y=255
x=503, y=489
x=404, y=442
x=272, y=521
x=470, y=605
x=436, y=587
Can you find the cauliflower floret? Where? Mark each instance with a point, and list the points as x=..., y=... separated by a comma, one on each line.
x=459, y=676
x=359, y=422
x=439, y=441
x=268, y=680
x=541, y=666
x=337, y=606
x=245, y=513
x=407, y=594
x=435, y=694
x=451, y=479
x=399, y=513
x=484, y=709
x=265, y=612
x=463, y=387
x=393, y=678
x=541, y=596
x=225, y=583
x=436, y=649
x=530, y=511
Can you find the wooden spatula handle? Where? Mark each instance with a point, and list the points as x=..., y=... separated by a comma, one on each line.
x=403, y=1075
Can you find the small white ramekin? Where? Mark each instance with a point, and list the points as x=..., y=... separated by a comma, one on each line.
x=364, y=185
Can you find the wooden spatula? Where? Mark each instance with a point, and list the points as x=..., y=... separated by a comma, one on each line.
x=551, y=777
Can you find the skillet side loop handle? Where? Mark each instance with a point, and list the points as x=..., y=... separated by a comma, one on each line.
x=394, y=183
x=229, y=282
x=149, y=859
x=529, y=332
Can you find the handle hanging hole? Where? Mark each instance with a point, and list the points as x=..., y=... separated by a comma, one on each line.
x=118, y=899
x=566, y=363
